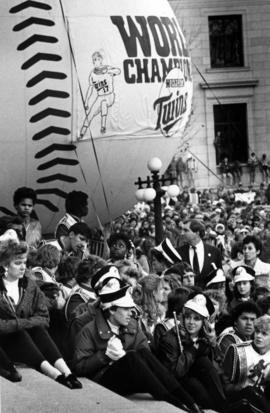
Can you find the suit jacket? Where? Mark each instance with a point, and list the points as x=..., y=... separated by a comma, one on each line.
x=211, y=255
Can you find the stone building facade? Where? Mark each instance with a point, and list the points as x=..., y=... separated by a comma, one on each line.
x=229, y=42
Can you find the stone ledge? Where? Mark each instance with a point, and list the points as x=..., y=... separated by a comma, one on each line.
x=38, y=393
x=229, y=84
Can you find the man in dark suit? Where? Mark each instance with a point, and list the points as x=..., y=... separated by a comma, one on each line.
x=201, y=256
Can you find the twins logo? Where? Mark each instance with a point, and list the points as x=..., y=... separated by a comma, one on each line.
x=172, y=104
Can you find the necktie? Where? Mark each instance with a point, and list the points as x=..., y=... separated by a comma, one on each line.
x=196, y=267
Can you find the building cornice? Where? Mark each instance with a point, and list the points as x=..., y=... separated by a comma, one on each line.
x=230, y=84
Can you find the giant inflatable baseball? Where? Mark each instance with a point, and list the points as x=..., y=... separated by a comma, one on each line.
x=89, y=91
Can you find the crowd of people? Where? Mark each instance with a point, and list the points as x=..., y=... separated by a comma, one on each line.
x=186, y=319
x=232, y=171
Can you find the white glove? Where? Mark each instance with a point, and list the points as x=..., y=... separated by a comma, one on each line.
x=60, y=301
x=209, y=329
x=115, y=349
x=266, y=373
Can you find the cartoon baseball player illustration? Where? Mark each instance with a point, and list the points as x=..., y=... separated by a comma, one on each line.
x=100, y=93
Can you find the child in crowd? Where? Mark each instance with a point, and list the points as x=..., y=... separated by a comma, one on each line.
x=24, y=200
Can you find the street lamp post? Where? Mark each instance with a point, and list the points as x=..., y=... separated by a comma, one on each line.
x=154, y=192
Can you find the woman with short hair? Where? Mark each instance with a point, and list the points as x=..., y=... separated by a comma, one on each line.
x=24, y=318
x=252, y=248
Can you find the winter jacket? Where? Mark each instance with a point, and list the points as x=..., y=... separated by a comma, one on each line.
x=179, y=363
x=160, y=330
x=31, y=311
x=169, y=354
x=90, y=359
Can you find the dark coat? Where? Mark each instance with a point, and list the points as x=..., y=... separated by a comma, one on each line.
x=211, y=255
x=236, y=301
x=90, y=359
x=179, y=363
x=31, y=310
x=83, y=314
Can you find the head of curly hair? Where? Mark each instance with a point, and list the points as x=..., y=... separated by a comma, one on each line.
x=10, y=249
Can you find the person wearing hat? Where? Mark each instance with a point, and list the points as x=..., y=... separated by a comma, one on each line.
x=243, y=285
x=217, y=280
x=163, y=256
x=86, y=312
x=188, y=350
x=241, y=329
x=113, y=351
x=200, y=255
x=247, y=371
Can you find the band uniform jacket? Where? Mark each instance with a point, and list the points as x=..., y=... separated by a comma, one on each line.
x=90, y=359
x=243, y=365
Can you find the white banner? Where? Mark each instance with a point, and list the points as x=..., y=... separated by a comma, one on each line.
x=247, y=197
x=133, y=67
